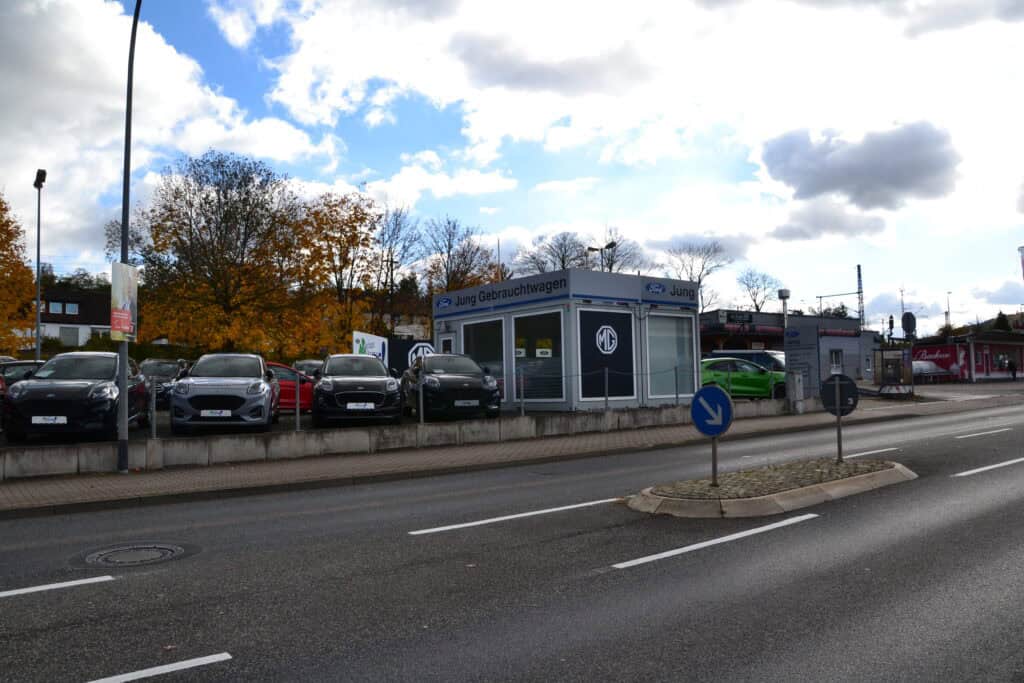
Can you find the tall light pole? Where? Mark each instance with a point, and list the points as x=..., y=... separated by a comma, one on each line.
x=38, y=184
x=947, y=310
x=610, y=245
x=122, y=361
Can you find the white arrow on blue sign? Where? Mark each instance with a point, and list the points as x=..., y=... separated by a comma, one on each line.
x=711, y=411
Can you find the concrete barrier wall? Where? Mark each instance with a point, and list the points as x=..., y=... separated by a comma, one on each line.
x=34, y=461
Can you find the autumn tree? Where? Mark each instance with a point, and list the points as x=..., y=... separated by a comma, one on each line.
x=557, y=252
x=696, y=261
x=223, y=258
x=455, y=256
x=760, y=288
x=17, y=285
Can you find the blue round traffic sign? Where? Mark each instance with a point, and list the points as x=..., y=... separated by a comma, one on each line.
x=711, y=411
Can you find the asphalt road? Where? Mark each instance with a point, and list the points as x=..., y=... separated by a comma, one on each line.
x=921, y=581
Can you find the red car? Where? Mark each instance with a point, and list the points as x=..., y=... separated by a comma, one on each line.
x=286, y=378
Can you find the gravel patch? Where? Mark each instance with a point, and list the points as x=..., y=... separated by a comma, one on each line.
x=764, y=481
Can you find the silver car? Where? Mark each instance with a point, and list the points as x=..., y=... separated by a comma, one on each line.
x=224, y=389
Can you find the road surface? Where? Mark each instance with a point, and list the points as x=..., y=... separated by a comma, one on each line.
x=448, y=578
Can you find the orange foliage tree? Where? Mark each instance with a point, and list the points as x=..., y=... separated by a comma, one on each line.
x=17, y=286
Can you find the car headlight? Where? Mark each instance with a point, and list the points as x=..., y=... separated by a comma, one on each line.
x=325, y=385
x=431, y=382
x=104, y=392
x=15, y=391
x=181, y=388
x=257, y=388
x=490, y=382
x=391, y=386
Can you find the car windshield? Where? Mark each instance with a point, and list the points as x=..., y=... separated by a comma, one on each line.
x=440, y=365
x=16, y=371
x=226, y=366
x=163, y=368
x=354, y=366
x=78, y=367
x=308, y=365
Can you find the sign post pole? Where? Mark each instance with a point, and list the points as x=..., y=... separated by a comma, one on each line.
x=714, y=461
x=839, y=429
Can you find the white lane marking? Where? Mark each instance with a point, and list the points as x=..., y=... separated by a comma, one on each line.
x=994, y=431
x=55, y=586
x=492, y=520
x=716, y=541
x=165, y=669
x=988, y=467
x=880, y=450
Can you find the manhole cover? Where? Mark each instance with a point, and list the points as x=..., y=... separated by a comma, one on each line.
x=134, y=554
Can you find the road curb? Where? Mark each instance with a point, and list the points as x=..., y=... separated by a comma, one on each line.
x=774, y=504
x=350, y=480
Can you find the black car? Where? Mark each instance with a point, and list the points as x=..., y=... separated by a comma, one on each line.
x=73, y=393
x=353, y=386
x=162, y=372
x=453, y=385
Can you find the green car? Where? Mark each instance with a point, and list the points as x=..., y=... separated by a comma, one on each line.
x=741, y=378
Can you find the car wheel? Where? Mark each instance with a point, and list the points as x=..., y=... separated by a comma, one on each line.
x=396, y=420
x=779, y=391
x=318, y=422
x=178, y=429
x=15, y=437
x=491, y=414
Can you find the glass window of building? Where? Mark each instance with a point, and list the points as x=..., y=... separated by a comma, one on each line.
x=670, y=344
x=56, y=307
x=538, y=355
x=71, y=309
x=483, y=343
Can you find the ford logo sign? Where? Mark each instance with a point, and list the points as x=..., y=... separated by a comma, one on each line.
x=444, y=302
x=792, y=333
x=655, y=288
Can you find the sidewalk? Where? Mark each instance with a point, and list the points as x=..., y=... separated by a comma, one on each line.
x=24, y=497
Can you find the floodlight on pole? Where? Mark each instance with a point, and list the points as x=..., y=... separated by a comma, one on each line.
x=38, y=184
x=601, y=250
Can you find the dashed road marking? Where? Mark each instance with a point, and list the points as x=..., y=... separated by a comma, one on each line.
x=165, y=669
x=988, y=467
x=54, y=586
x=505, y=518
x=994, y=431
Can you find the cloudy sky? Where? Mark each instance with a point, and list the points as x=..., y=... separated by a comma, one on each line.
x=808, y=135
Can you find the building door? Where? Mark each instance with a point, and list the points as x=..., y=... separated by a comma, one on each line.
x=69, y=336
x=447, y=343
x=835, y=362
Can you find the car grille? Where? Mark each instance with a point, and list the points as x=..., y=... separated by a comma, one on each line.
x=462, y=394
x=216, y=402
x=344, y=397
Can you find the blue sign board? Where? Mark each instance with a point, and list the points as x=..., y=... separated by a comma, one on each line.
x=711, y=411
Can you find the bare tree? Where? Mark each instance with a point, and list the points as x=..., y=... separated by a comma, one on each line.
x=759, y=287
x=559, y=252
x=396, y=245
x=623, y=255
x=696, y=260
x=456, y=258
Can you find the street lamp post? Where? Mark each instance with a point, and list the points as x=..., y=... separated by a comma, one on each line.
x=947, y=310
x=38, y=184
x=122, y=361
x=610, y=245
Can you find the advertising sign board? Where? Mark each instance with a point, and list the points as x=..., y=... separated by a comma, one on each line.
x=606, y=341
x=370, y=344
x=802, y=354
x=124, y=302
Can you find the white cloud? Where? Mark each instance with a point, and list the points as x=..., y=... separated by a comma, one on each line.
x=569, y=187
x=427, y=158
x=407, y=186
x=238, y=20
x=489, y=210
x=377, y=116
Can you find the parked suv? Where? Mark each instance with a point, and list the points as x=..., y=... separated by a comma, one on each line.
x=73, y=393
x=355, y=386
x=225, y=389
x=453, y=385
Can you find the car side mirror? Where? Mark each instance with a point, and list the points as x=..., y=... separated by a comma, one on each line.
x=394, y=373
x=269, y=375
x=28, y=374
x=486, y=370
x=183, y=373
x=317, y=374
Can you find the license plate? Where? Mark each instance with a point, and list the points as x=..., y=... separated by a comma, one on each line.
x=215, y=413
x=360, y=406
x=466, y=404
x=49, y=419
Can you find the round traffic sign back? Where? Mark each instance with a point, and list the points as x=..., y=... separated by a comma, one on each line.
x=848, y=395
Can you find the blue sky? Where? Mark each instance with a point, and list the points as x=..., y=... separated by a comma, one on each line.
x=763, y=123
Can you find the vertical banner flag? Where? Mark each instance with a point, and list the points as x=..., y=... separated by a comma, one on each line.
x=370, y=344
x=124, y=302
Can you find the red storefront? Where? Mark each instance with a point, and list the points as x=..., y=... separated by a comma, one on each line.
x=992, y=355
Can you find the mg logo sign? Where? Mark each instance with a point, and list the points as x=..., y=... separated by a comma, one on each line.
x=607, y=340
x=421, y=349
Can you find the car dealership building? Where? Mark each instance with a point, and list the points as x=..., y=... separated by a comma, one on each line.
x=574, y=339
